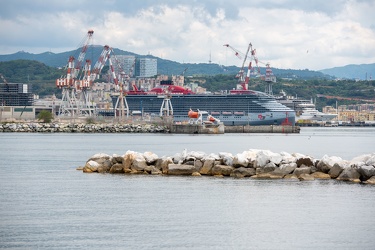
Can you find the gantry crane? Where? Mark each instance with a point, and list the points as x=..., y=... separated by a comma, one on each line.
x=68, y=83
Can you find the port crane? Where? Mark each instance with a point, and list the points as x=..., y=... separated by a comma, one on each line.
x=69, y=104
x=244, y=80
x=90, y=76
x=268, y=77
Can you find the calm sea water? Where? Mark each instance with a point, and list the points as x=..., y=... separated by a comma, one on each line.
x=46, y=204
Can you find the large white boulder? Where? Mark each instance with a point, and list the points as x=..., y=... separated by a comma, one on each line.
x=214, y=156
x=162, y=164
x=359, y=160
x=371, y=160
x=150, y=157
x=91, y=166
x=287, y=158
x=251, y=154
x=262, y=159
x=240, y=160
x=195, y=155
x=227, y=158
x=275, y=157
x=327, y=162
x=100, y=157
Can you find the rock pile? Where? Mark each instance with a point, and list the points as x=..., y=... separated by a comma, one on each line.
x=82, y=128
x=254, y=163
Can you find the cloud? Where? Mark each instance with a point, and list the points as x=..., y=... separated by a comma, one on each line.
x=287, y=33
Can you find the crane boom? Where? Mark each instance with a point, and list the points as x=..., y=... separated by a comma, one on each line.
x=82, y=54
x=3, y=78
x=100, y=63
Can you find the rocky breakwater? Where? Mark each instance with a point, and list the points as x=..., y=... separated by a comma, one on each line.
x=82, y=128
x=254, y=164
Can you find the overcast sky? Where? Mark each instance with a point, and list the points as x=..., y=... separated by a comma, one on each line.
x=298, y=34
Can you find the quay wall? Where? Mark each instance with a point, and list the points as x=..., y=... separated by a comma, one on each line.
x=262, y=129
x=197, y=129
x=251, y=164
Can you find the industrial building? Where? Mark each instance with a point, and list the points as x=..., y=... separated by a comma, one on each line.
x=16, y=94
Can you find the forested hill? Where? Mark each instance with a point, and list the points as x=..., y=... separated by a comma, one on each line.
x=42, y=78
x=166, y=67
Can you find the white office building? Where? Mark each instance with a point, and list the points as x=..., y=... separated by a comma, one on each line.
x=146, y=67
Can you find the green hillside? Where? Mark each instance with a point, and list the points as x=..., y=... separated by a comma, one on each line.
x=42, y=78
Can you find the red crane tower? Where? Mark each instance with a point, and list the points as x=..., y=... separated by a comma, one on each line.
x=244, y=81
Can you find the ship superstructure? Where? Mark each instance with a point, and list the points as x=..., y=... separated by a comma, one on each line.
x=253, y=108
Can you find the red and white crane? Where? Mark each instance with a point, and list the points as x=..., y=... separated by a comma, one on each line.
x=69, y=83
x=244, y=81
x=268, y=77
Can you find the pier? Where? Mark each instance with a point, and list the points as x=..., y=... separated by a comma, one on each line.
x=262, y=129
x=197, y=129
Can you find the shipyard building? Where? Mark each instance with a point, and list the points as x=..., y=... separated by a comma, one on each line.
x=16, y=94
x=17, y=102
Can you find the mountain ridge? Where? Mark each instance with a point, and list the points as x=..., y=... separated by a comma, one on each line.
x=170, y=67
x=352, y=71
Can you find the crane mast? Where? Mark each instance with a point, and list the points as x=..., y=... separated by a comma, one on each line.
x=121, y=107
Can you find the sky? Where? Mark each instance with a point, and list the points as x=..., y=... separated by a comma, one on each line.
x=296, y=34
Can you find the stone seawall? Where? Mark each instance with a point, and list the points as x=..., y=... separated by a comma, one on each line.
x=81, y=128
x=35, y=127
x=254, y=164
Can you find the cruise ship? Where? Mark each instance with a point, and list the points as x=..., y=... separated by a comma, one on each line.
x=310, y=113
x=239, y=107
x=305, y=109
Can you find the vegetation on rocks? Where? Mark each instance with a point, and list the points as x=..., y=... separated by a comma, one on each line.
x=45, y=116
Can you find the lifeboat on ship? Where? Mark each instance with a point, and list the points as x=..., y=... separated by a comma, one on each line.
x=193, y=114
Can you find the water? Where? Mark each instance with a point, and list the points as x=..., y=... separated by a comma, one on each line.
x=46, y=204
